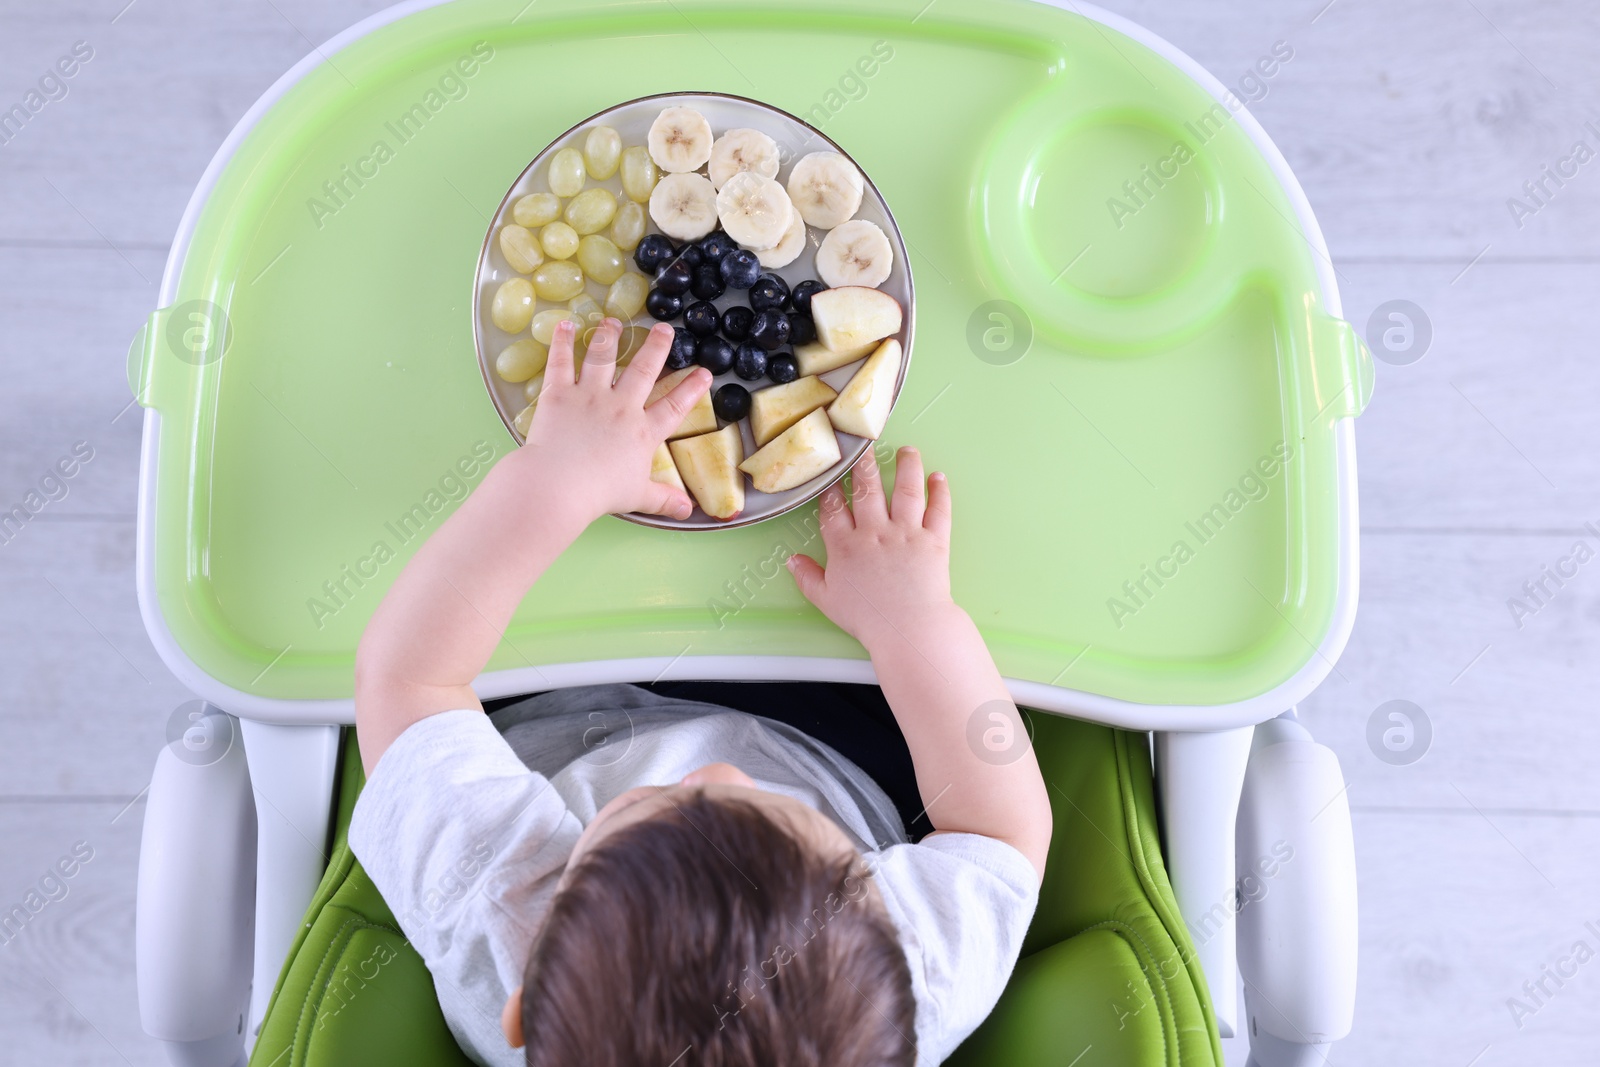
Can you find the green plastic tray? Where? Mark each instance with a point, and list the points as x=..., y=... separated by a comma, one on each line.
x=1094, y=379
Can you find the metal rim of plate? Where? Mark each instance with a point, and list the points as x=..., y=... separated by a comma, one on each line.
x=847, y=459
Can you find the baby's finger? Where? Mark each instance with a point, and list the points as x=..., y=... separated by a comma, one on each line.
x=809, y=577
x=937, y=519
x=558, y=367
x=866, y=492
x=906, y=506
x=834, y=516
x=645, y=368
x=667, y=413
x=600, y=358
x=668, y=500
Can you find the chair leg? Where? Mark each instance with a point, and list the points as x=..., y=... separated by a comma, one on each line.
x=1198, y=780
x=292, y=770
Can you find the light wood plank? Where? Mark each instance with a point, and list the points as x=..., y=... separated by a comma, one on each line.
x=86, y=698
x=1495, y=427
x=1453, y=922
x=1410, y=125
x=67, y=992
x=64, y=354
x=120, y=154
x=1513, y=726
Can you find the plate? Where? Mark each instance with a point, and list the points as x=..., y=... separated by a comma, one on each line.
x=632, y=121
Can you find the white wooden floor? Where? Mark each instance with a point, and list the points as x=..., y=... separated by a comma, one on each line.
x=1410, y=126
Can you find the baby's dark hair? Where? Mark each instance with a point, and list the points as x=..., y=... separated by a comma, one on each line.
x=711, y=936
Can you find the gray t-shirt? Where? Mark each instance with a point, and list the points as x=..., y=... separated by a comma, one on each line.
x=465, y=830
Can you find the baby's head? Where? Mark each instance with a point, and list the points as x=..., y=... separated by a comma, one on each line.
x=710, y=924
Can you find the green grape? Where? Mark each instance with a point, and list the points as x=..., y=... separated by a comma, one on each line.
x=512, y=307
x=586, y=307
x=601, y=150
x=600, y=259
x=559, y=240
x=544, y=323
x=520, y=248
x=627, y=229
x=625, y=298
x=531, y=387
x=639, y=173
x=558, y=280
x=536, y=209
x=591, y=211
x=566, y=172
x=521, y=360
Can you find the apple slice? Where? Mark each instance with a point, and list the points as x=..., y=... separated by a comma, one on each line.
x=709, y=465
x=795, y=456
x=775, y=409
x=863, y=405
x=854, y=315
x=818, y=358
x=701, y=418
x=663, y=470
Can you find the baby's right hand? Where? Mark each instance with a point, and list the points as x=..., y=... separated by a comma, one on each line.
x=888, y=560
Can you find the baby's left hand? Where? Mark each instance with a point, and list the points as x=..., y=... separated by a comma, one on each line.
x=592, y=441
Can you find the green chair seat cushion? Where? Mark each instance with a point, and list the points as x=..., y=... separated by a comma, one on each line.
x=1107, y=976
x=353, y=992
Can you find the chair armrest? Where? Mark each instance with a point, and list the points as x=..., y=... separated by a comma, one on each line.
x=1297, y=925
x=195, y=909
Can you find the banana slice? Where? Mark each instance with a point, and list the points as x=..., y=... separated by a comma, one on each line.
x=684, y=206
x=754, y=210
x=680, y=140
x=739, y=150
x=855, y=253
x=826, y=188
x=787, y=250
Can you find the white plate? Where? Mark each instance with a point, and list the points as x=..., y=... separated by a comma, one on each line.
x=795, y=139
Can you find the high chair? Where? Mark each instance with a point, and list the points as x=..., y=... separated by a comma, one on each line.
x=1173, y=371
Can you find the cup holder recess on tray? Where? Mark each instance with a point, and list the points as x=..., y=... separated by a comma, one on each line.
x=1100, y=225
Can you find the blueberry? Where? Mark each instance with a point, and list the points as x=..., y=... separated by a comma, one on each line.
x=769, y=291
x=802, y=331
x=716, y=245
x=690, y=256
x=800, y=298
x=714, y=354
x=653, y=252
x=736, y=322
x=740, y=269
x=708, y=283
x=770, y=330
x=782, y=368
x=684, y=346
x=701, y=318
x=675, y=278
x=663, y=305
x=751, y=362
x=731, y=402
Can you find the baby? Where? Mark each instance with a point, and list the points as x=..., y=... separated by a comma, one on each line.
x=609, y=876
